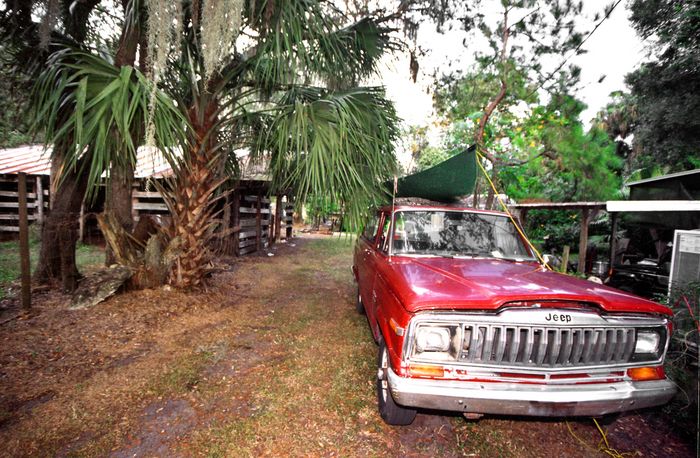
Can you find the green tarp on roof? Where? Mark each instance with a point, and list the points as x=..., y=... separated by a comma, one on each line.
x=444, y=182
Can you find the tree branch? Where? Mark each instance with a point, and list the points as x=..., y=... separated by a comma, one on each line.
x=479, y=139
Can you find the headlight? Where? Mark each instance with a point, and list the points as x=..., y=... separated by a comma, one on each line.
x=431, y=338
x=647, y=342
x=438, y=342
x=650, y=344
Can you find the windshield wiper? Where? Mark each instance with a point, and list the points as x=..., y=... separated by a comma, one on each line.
x=515, y=258
x=473, y=254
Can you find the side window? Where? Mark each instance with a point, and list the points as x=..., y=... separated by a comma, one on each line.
x=371, y=228
x=384, y=240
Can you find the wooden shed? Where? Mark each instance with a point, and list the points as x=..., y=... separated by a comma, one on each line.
x=37, y=165
x=250, y=219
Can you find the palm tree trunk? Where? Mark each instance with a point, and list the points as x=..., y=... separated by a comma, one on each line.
x=59, y=233
x=194, y=198
x=118, y=198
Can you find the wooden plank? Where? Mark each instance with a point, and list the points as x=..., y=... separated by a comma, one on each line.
x=15, y=205
x=150, y=206
x=9, y=228
x=15, y=217
x=254, y=210
x=264, y=200
x=248, y=222
x=30, y=195
x=246, y=243
x=247, y=234
x=245, y=251
x=40, y=199
x=147, y=194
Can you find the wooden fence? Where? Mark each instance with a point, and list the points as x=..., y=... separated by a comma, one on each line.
x=37, y=201
x=246, y=222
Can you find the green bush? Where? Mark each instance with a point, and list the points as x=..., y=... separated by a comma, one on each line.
x=682, y=359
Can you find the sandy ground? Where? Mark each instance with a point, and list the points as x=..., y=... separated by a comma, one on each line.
x=271, y=360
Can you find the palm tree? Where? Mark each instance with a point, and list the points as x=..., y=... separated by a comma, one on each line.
x=286, y=90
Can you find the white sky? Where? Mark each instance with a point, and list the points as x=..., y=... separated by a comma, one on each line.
x=613, y=50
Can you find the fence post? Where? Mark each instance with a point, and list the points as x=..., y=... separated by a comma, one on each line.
x=236, y=221
x=564, y=259
x=39, y=201
x=258, y=223
x=24, y=242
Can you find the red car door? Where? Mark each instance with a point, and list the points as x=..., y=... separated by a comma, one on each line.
x=377, y=256
x=364, y=258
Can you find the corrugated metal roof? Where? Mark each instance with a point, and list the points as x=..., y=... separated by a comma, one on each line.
x=665, y=177
x=150, y=163
x=35, y=160
x=32, y=159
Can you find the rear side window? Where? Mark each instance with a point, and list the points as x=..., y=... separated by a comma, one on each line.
x=370, y=231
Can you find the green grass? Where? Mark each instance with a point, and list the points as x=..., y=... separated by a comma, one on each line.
x=86, y=256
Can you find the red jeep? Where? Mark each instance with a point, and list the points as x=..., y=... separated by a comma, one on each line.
x=468, y=320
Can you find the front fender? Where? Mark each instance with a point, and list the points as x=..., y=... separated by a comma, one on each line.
x=391, y=317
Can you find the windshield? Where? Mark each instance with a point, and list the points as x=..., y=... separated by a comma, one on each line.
x=457, y=233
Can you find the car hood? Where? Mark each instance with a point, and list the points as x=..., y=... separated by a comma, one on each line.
x=488, y=284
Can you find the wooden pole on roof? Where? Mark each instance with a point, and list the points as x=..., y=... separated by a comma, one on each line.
x=24, y=242
x=583, y=240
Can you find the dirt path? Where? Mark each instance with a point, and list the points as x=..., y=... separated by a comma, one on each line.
x=272, y=360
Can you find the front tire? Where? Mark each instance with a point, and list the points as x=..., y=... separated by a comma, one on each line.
x=392, y=413
x=359, y=306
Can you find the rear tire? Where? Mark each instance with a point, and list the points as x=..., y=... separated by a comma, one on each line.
x=392, y=413
x=359, y=306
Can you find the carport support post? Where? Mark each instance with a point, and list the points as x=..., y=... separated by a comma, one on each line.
x=583, y=240
x=613, y=239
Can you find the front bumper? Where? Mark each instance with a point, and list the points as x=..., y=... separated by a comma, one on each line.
x=529, y=399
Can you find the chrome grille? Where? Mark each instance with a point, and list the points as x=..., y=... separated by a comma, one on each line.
x=538, y=346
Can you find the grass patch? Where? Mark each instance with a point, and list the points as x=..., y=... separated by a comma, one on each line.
x=183, y=376
x=86, y=256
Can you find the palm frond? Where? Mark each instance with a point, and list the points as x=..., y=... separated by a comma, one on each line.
x=337, y=145
x=86, y=104
x=302, y=40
